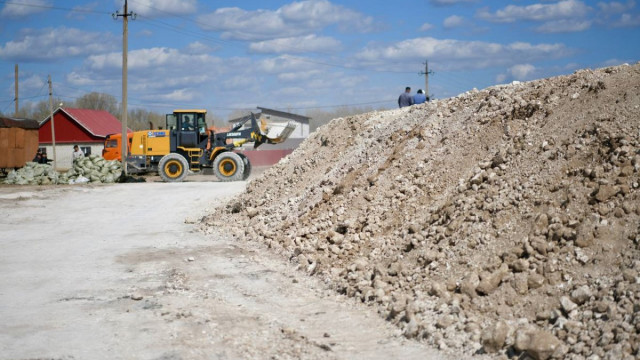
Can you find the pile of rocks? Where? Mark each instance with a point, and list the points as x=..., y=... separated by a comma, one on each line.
x=502, y=221
x=33, y=174
x=93, y=169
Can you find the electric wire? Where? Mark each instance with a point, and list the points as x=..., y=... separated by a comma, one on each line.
x=234, y=43
x=202, y=36
x=50, y=7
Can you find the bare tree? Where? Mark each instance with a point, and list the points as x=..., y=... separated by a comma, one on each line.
x=239, y=113
x=35, y=111
x=41, y=109
x=140, y=119
x=215, y=120
x=98, y=101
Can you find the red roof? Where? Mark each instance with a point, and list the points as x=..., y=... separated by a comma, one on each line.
x=97, y=122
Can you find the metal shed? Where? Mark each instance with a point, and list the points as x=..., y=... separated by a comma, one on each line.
x=18, y=141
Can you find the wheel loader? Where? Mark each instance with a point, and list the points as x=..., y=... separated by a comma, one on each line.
x=187, y=145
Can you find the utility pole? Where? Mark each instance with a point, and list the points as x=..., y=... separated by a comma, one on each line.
x=53, y=129
x=16, y=81
x=426, y=78
x=125, y=33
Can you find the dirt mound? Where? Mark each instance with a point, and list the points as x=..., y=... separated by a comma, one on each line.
x=505, y=220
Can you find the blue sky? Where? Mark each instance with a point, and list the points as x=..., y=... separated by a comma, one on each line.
x=300, y=55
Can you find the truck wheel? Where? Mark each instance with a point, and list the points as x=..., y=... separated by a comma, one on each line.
x=228, y=166
x=247, y=167
x=173, y=167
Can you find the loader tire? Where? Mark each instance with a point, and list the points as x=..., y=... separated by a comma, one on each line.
x=228, y=166
x=247, y=167
x=173, y=168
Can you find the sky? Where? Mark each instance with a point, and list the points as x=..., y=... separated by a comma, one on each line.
x=297, y=56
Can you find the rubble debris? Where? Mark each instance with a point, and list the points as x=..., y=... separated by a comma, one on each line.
x=505, y=218
x=93, y=168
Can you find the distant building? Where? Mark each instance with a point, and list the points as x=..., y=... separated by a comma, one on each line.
x=269, y=154
x=83, y=127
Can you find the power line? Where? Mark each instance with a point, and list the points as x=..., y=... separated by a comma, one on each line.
x=203, y=36
x=346, y=67
x=167, y=26
x=233, y=43
x=50, y=7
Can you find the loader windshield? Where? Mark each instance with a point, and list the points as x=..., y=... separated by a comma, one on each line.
x=202, y=124
x=172, y=122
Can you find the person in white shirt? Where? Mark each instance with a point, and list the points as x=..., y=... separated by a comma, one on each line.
x=77, y=153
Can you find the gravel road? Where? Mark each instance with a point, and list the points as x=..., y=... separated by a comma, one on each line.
x=120, y=272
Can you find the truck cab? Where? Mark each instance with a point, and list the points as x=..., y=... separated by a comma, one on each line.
x=188, y=128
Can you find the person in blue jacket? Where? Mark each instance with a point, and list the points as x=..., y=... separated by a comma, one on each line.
x=419, y=97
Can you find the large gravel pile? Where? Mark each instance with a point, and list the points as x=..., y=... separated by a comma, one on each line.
x=504, y=221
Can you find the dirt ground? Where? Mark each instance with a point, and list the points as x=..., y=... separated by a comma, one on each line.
x=120, y=272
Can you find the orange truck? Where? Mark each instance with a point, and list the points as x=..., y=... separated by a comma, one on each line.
x=112, y=147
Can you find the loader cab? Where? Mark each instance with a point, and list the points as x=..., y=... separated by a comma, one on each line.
x=188, y=128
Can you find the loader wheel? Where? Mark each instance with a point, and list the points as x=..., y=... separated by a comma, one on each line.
x=247, y=167
x=228, y=166
x=173, y=167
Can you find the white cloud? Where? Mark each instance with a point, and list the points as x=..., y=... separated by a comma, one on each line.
x=83, y=78
x=522, y=71
x=199, y=48
x=319, y=13
x=32, y=84
x=426, y=27
x=236, y=23
x=615, y=7
x=33, y=81
x=283, y=64
x=15, y=9
x=79, y=12
x=566, y=9
x=178, y=95
x=309, y=43
x=299, y=75
x=500, y=78
x=160, y=8
x=145, y=33
x=564, y=26
x=453, y=21
x=617, y=14
x=239, y=82
x=289, y=91
x=152, y=58
x=51, y=44
x=160, y=76
x=295, y=19
x=450, y=2
x=455, y=54
x=612, y=62
x=627, y=20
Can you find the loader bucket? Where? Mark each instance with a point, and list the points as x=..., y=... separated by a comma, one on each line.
x=278, y=134
x=266, y=133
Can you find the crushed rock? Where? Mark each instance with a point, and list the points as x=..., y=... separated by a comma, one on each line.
x=502, y=220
